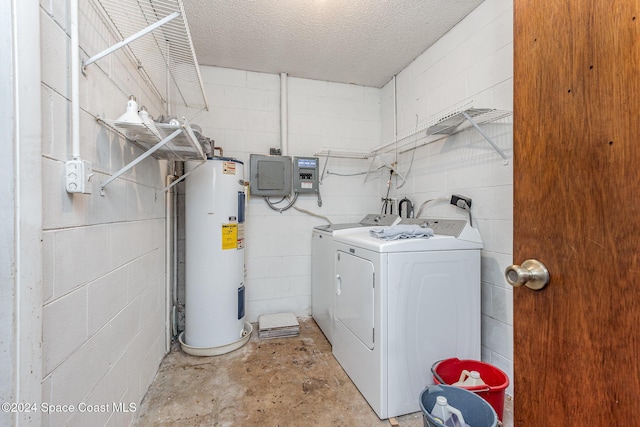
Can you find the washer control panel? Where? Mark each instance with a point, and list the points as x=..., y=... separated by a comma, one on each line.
x=380, y=219
x=443, y=227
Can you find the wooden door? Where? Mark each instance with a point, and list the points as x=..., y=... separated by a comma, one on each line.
x=577, y=209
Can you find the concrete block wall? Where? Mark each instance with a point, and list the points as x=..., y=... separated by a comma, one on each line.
x=473, y=62
x=244, y=118
x=104, y=256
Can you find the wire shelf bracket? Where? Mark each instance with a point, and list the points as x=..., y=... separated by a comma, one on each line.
x=180, y=143
x=139, y=159
x=386, y=164
x=128, y=40
x=487, y=137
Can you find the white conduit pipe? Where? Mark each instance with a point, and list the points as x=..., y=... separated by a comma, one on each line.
x=168, y=264
x=395, y=110
x=75, y=80
x=174, y=301
x=284, y=119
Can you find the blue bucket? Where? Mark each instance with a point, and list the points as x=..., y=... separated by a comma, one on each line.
x=475, y=410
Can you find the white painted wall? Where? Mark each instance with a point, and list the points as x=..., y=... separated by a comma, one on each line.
x=104, y=256
x=20, y=213
x=7, y=212
x=244, y=118
x=474, y=61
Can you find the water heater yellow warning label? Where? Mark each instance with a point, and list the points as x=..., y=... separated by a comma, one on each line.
x=229, y=236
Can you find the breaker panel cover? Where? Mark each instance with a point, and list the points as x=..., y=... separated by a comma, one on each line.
x=270, y=175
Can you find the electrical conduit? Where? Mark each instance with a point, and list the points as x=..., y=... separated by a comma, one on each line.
x=284, y=116
x=169, y=237
x=75, y=80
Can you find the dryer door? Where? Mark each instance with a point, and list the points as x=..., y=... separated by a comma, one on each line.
x=354, y=295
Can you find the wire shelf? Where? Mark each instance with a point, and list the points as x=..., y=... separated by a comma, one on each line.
x=453, y=124
x=185, y=146
x=449, y=123
x=164, y=51
x=343, y=154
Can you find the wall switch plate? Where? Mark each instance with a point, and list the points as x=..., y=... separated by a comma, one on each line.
x=77, y=176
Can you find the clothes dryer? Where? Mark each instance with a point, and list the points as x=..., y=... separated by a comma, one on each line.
x=323, y=266
x=401, y=305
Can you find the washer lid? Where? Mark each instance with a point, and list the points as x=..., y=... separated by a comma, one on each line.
x=468, y=238
x=330, y=228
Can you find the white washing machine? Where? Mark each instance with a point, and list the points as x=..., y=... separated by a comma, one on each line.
x=402, y=305
x=323, y=266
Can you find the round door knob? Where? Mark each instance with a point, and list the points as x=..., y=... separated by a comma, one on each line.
x=532, y=273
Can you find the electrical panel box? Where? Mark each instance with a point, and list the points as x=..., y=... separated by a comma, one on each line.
x=305, y=175
x=270, y=175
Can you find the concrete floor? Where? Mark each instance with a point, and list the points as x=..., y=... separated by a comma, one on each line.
x=277, y=382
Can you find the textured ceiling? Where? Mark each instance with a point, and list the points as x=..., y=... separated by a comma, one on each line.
x=364, y=42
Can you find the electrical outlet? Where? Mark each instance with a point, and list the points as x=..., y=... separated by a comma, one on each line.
x=460, y=201
x=77, y=176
